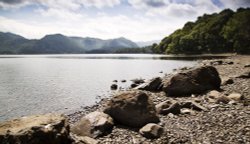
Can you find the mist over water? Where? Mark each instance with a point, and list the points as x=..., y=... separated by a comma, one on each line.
x=34, y=84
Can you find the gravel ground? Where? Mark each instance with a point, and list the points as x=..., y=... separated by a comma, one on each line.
x=222, y=123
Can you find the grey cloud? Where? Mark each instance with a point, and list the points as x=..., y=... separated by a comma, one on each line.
x=155, y=3
x=12, y=1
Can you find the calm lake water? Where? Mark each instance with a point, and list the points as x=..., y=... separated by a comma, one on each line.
x=34, y=84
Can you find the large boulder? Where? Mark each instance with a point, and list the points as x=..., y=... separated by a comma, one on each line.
x=132, y=108
x=151, y=130
x=154, y=84
x=39, y=129
x=93, y=125
x=193, y=82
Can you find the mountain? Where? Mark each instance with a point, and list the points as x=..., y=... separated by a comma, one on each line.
x=60, y=44
x=224, y=32
x=147, y=43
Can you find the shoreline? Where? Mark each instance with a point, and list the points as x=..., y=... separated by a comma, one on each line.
x=175, y=133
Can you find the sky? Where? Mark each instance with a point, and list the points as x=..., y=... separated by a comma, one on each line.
x=137, y=20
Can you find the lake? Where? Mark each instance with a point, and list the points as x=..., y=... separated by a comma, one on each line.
x=35, y=84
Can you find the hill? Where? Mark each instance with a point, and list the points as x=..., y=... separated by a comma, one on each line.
x=224, y=32
x=60, y=44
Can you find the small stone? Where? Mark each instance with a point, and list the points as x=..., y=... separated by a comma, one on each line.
x=123, y=81
x=235, y=96
x=213, y=96
x=187, y=111
x=168, y=107
x=228, y=81
x=193, y=105
x=223, y=99
x=83, y=139
x=247, y=65
x=151, y=131
x=244, y=75
x=115, y=81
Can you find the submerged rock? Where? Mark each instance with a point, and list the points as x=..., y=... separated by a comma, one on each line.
x=114, y=87
x=193, y=82
x=132, y=108
x=138, y=81
x=93, y=125
x=38, y=129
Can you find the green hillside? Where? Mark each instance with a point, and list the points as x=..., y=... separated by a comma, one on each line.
x=224, y=32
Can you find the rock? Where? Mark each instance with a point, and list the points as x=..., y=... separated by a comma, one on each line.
x=187, y=111
x=223, y=99
x=93, y=125
x=151, y=130
x=154, y=84
x=235, y=96
x=138, y=81
x=83, y=139
x=114, y=87
x=193, y=105
x=133, y=85
x=167, y=107
x=213, y=96
x=247, y=65
x=115, y=81
x=244, y=75
x=193, y=82
x=217, y=62
x=132, y=108
x=38, y=129
x=123, y=81
x=227, y=81
x=229, y=62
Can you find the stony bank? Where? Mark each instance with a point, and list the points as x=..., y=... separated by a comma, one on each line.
x=208, y=103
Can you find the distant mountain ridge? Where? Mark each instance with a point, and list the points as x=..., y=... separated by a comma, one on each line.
x=59, y=44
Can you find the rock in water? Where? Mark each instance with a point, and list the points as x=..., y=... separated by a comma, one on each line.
x=151, y=130
x=132, y=108
x=93, y=125
x=39, y=129
x=154, y=84
x=114, y=87
x=193, y=82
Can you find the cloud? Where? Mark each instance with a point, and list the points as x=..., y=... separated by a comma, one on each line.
x=62, y=4
x=175, y=8
x=234, y=4
x=12, y=1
